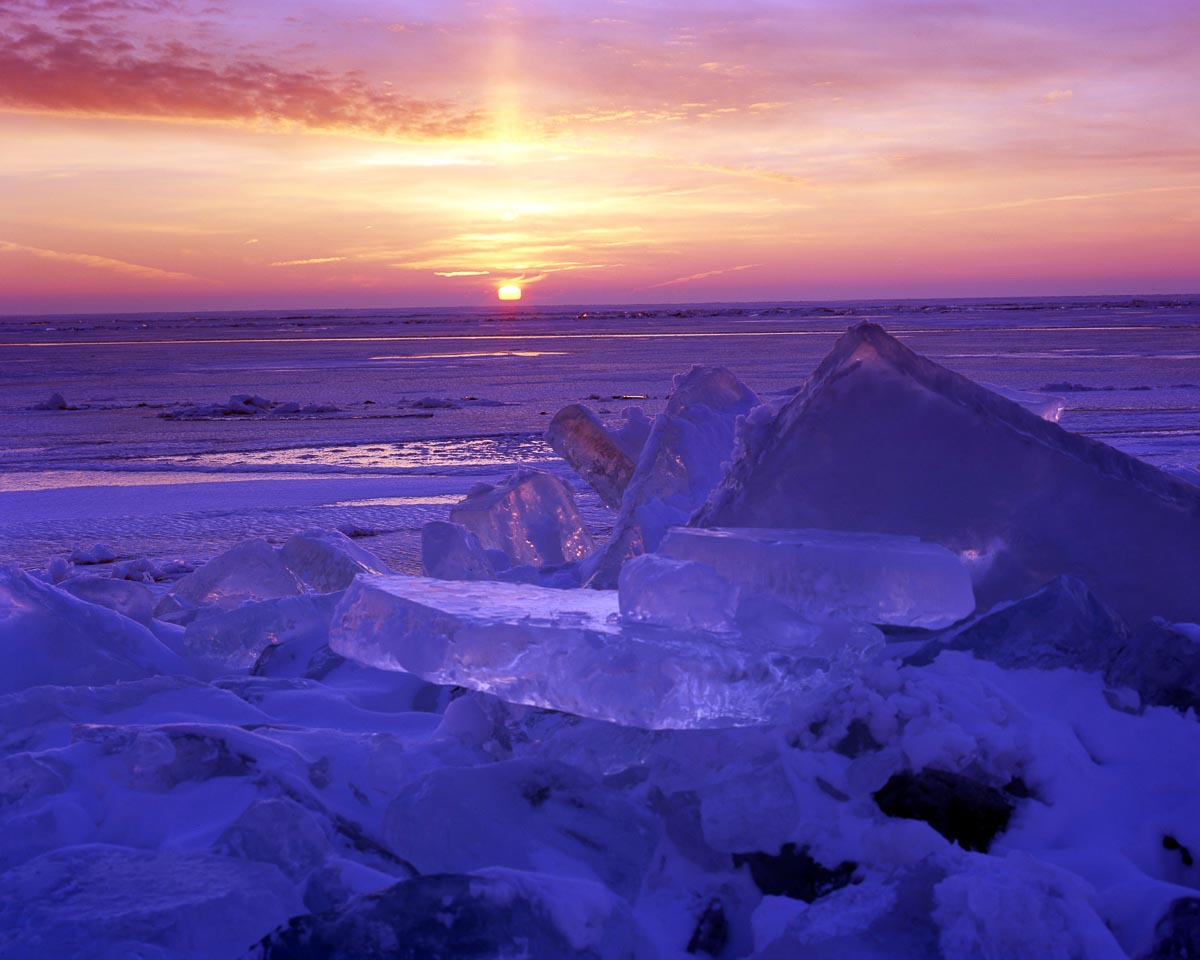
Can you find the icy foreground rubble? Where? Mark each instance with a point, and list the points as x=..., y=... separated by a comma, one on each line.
x=723, y=758
x=568, y=650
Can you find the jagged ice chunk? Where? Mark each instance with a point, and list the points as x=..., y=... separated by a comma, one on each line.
x=327, y=560
x=531, y=518
x=577, y=435
x=449, y=551
x=682, y=461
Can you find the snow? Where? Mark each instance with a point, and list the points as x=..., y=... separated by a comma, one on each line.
x=882, y=440
x=829, y=574
x=531, y=518
x=49, y=636
x=76, y=902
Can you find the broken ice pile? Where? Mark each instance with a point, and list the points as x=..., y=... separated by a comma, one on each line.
x=683, y=459
x=881, y=440
x=569, y=650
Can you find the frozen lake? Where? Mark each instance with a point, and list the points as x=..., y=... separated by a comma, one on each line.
x=428, y=402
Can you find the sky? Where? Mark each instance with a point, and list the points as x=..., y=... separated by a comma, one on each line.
x=179, y=155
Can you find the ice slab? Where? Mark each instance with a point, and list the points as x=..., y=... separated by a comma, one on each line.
x=834, y=575
x=48, y=636
x=676, y=593
x=531, y=518
x=253, y=570
x=568, y=650
x=577, y=435
x=327, y=560
x=236, y=639
x=683, y=460
x=449, y=551
x=884, y=440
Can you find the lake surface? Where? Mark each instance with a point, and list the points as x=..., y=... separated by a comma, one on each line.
x=428, y=402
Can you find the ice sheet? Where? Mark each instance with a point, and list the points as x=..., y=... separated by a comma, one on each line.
x=568, y=650
x=830, y=574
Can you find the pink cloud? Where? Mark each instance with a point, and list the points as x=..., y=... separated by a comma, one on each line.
x=100, y=71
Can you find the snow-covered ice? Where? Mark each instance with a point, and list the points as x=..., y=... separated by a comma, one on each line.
x=48, y=636
x=830, y=574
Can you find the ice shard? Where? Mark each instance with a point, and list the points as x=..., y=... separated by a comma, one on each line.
x=449, y=551
x=327, y=560
x=682, y=461
x=835, y=575
x=252, y=570
x=881, y=439
x=530, y=518
x=569, y=650
x=578, y=436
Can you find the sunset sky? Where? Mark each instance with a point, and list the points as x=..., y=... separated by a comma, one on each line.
x=179, y=155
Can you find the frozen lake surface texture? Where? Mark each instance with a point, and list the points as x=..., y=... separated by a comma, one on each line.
x=849, y=631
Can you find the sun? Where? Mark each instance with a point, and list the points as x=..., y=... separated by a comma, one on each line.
x=510, y=291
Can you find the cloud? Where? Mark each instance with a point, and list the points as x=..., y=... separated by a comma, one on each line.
x=305, y=263
x=104, y=71
x=702, y=276
x=1056, y=96
x=462, y=273
x=92, y=260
